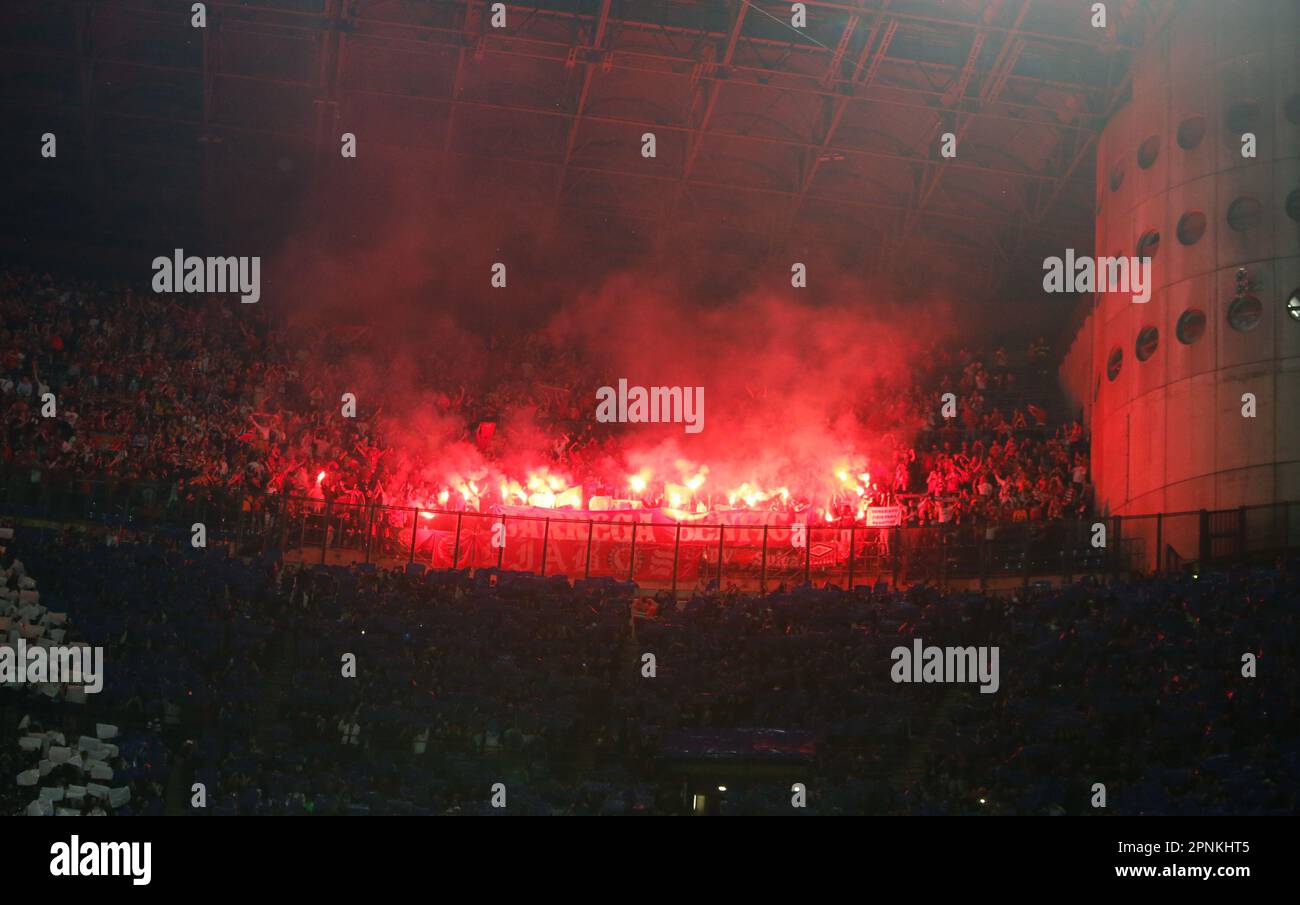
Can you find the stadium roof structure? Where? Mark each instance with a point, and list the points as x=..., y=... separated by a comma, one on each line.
x=769, y=138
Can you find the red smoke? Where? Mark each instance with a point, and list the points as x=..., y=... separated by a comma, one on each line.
x=798, y=383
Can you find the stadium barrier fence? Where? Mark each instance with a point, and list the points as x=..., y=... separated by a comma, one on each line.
x=655, y=554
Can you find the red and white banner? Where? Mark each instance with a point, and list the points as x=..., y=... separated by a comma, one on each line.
x=576, y=543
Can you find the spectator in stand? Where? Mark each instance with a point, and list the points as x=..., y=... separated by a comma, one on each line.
x=465, y=680
x=176, y=390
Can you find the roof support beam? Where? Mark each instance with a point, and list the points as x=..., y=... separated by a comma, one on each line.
x=1116, y=99
x=640, y=123
x=864, y=72
x=467, y=37
x=758, y=77
x=712, y=88
x=997, y=77
x=956, y=57
x=327, y=81
x=313, y=22
x=588, y=70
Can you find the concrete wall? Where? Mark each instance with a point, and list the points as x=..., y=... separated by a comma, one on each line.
x=1168, y=432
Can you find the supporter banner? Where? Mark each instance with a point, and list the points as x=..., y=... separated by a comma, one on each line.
x=603, y=543
x=884, y=516
x=659, y=540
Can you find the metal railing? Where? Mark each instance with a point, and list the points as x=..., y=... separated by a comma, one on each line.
x=636, y=546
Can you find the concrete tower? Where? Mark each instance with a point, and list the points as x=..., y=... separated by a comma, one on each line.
x=1163, y=382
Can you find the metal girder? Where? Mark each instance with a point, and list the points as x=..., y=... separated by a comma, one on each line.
x=589, y=65
x=842, y=46
x=999, y=73
x=554, y=51
x=502, y=158
x=979, y=237
x=242, y=13
x=967, y=24
x=327, y=77
x=825, y=82
x=314, y=19
x=837, y=92
x=868, y=60
x=456, y=84
x=761, y=76
x=654, y=220
x=632, y=122
x=712, y=88
x=1085, y=148
x=1112, y=105
x=932, y=173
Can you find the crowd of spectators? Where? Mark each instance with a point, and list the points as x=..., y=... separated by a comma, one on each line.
x=1006, y=454
x=202, y=399
x=58, y=758
x=355, y=690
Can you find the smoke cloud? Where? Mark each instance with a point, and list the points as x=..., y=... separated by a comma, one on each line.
x=797, y=382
